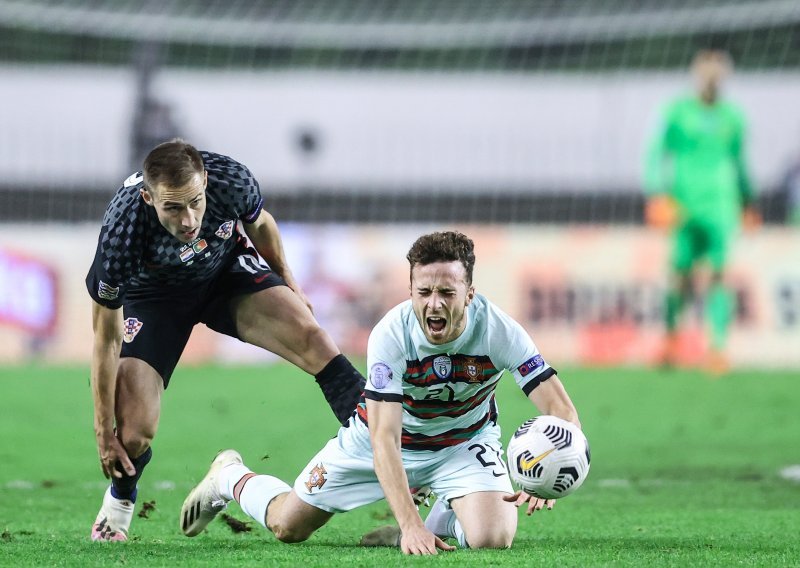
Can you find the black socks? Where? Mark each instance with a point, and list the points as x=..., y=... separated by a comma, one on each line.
x=342, y=386
x=125, y=487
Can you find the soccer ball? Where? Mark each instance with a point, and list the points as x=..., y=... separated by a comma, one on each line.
x=548, y=457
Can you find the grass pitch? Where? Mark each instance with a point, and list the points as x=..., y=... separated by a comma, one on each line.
x=685, y=471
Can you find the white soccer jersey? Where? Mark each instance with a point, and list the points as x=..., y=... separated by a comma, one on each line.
x=447, y=390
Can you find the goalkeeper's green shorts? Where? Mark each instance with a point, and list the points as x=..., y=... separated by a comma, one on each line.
x=697, y=239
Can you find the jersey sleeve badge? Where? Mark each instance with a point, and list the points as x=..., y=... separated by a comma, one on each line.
x=107, y=291
x=531, y=365
x=380, y=375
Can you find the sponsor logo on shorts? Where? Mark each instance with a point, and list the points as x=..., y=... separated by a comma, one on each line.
x=531, y=365
x=225, y=230
x=380, y=375
x=107, y=292
x=316, y=477
x=130, y=328
x=473, y=369
x=442, y=366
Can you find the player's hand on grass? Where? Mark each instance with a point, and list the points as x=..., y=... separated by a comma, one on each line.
x=419, y=540
x=534, y=503
x=661, y=212
x=111, y=451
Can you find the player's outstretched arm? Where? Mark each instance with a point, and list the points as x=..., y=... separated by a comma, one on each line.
x=107, y=326
x=550, y=397
x=385, y=427
x=266, y=238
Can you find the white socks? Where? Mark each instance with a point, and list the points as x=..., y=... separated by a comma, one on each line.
x=253, y=492
x=442, y=522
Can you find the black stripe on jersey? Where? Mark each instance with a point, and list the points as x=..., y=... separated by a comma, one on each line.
x=416, y=441
x=434, y=407
x=383, y=396
x=537, y=380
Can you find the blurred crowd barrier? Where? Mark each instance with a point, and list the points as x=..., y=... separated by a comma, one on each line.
x=587, y=295
x=70, y=127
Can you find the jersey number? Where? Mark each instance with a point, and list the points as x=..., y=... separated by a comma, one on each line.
x=434, y=393
x=482, y=450
x=252, y=264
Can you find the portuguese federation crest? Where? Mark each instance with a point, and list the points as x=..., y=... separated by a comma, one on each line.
x=473, y=369
x=316, y=477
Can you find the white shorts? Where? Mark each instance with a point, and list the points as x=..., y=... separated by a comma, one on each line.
x=341, y=477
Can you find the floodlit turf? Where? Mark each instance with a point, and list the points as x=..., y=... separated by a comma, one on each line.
x=685, y=472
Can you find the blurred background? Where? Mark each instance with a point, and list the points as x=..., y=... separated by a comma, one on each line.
x=523, y=124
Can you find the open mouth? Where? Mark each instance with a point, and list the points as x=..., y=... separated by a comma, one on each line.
x=436, y=324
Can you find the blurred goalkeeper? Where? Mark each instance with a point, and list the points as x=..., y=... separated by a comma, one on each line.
x=171, y=254
x=698, y=186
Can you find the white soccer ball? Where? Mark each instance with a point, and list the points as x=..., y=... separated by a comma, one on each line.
x=548, y=457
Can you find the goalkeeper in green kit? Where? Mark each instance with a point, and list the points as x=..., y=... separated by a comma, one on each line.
x=698, y=186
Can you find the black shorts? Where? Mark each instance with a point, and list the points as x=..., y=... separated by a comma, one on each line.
x=157, y=330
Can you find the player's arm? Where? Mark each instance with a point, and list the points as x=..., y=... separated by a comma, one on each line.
x=661, y=211
x=107, y=326
x=750, y=217
x=550, y=397
x=266, y=238
x=385, y=428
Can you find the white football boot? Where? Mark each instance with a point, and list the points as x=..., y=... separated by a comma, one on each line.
x=421, y=496
x=205, y=501
x=113, y=520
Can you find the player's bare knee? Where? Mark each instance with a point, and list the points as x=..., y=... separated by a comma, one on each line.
x=289, y=534
x=136, y=444
x=491, y=539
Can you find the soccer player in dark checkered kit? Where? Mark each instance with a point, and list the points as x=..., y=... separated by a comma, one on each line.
x=171, y=254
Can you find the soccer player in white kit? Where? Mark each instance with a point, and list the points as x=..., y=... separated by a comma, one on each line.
x=428, y=418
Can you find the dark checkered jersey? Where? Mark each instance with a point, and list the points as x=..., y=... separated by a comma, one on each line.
x=137, y=258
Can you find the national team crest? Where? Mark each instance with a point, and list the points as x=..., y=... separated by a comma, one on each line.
x=130, y=328
x=316, y=478
x=473, y=369
x=225, y=230
x=442, y=366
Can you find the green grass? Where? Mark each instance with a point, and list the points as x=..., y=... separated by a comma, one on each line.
x=684, y=472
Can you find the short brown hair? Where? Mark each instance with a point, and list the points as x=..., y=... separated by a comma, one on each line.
x=445, y=246
x=172, y=163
